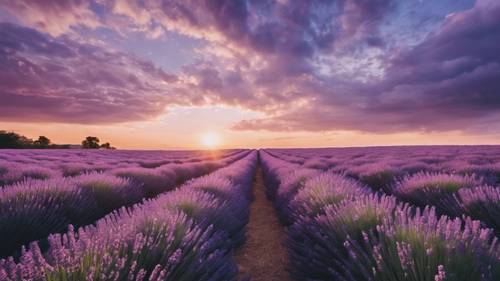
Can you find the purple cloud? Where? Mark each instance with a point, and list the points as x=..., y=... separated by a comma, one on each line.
x=47, y=79
x=289, y=32
x=53, y=16
x=308, y=65
x=450, y=81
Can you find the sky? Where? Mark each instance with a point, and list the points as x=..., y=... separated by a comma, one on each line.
x=162, y=74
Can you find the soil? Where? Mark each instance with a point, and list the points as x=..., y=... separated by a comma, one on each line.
x=262, y=257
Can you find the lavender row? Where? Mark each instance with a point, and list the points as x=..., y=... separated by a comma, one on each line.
x=32, y=209
x=452, y=192
x=16, y=165
x=340, y=229
x=379, y=166
x=187, y=234
x=453, y=195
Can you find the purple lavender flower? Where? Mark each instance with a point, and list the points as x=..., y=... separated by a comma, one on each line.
x=206, y=209
x=435, y=189
x=401, y=243
x=482, y=203
x=441, y=274
x=32, y=209
x=323, y=190
x=377, y=175
x=413, y=247
x=182, y=235
x=289, y=187
x=316, y=244
x=75, y=169
x=108, y=191
x=317, y=163
x=154, y=182
x=11, y=173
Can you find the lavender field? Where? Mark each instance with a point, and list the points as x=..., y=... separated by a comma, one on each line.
x=249, y=140
x=388, y=213
x=381, y=213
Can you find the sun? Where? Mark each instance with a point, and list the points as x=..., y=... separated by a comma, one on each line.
x=210, y=140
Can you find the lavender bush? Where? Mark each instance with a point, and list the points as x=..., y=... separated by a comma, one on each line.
x=372, y=237
x=75, y=169
x=12, y=172
x=236, y=203
x=146, y=244
x=153, y=182
x=426, y=247
x=109, y=192
x=378, y=176
x=482, y=203
x=321, y=191
x=181, y=235
x=32, y=209
x=435, y=189
x=289, y=187
x=316, y=244
x=274, y=170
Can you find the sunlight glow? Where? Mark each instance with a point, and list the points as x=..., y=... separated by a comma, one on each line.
x=210, y=140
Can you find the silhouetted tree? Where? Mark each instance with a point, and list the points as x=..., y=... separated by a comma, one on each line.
x=90, y=142
x=107, y=145
x=16, y=141
x=13, y=140
x=9, y=139
x=42, y=141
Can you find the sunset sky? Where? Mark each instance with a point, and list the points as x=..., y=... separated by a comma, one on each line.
x=162, y=74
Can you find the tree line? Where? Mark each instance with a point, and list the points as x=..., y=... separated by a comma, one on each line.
x=17, y=141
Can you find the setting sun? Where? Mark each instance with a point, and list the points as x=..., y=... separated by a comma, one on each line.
x=251, y=139
x=210, y=140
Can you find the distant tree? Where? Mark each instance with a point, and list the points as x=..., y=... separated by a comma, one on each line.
x=42, y=141
x=9, y=139
x=90, y=142
x=26, y=142
x=107, y=145
x=14, y=140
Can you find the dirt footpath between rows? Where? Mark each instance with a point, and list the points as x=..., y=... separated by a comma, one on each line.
x=262, y=257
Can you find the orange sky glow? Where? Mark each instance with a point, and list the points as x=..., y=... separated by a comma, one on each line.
x=183, y=128
x=145, y=74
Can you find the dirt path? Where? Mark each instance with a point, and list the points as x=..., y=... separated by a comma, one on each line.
x=262, y=257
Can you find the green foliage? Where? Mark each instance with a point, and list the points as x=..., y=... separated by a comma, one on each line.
x=91, y=142
x=42, y=142
x=107, y=145
x=14, y=140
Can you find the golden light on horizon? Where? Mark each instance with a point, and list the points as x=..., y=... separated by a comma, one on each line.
x=210, y=140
